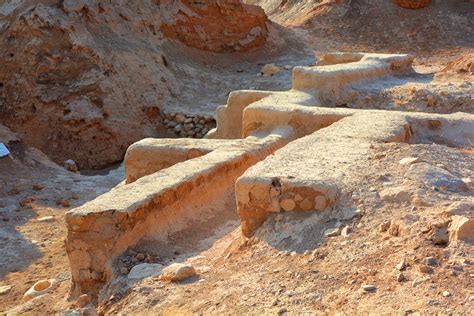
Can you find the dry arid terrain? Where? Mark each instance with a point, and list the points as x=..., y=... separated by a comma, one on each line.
x=256, y=157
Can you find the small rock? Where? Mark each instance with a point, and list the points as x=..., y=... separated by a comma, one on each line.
x=432, y=302
x=178, y=128
x=469, y=182
x=446, y=294
x=430, y=261
x=83, y=301
x=37, y=187
x=270, y=70
x=64, y=202
x=145, y=270
x=70, y=165
x=306, y=205
x=40, y=288
x=123, y=270
x=188, y=127
x=369, y=287
x=180, y=118
x=46, y=219
x=437, y=177
x=462, y=228
x=396, y=194
x=332, y=232
x=346, y=231
x=409, y=160
x=288, y=67
x=401, y=277
x=320, y=203
x=418, y=281
x=288, y=205
x=384, y=226
x=439, y=233
x=177, y=272
x=140, y=256
x=394, y=230
x=425, y=269
x=5, y=289
x=203, y=269
x=401, y=265
x=26, y=201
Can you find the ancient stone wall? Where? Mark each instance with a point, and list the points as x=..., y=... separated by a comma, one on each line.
x=288, y=152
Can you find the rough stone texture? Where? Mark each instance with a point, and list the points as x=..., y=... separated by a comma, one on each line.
x=144, y=270
x=177, y=272
x=435, y=177
x=311, y=160
x=328, y=82
x=150, y=155
x=190, y=126
x=229, y=117
x=6, y=135
x=312, y=166
x=461, y=227
x=152, y=207
x=217, y=26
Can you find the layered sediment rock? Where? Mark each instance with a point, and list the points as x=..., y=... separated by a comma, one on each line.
x=217, y=26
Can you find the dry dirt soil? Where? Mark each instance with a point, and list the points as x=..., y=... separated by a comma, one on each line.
x=275, y=272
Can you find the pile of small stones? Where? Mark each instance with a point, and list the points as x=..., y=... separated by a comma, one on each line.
x=191, y=126
x=131, y=258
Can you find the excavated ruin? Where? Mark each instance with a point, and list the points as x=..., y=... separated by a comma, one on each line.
x=287, y=151
x=136, y=179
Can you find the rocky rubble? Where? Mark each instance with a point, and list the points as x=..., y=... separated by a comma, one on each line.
x=186, y=125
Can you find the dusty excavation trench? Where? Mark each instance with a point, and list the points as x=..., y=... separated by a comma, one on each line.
x=173, y=185
x=332, y=182
x=280, y=167
x=209, y=212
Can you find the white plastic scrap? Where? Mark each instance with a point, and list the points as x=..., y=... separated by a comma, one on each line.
x=4, y=150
